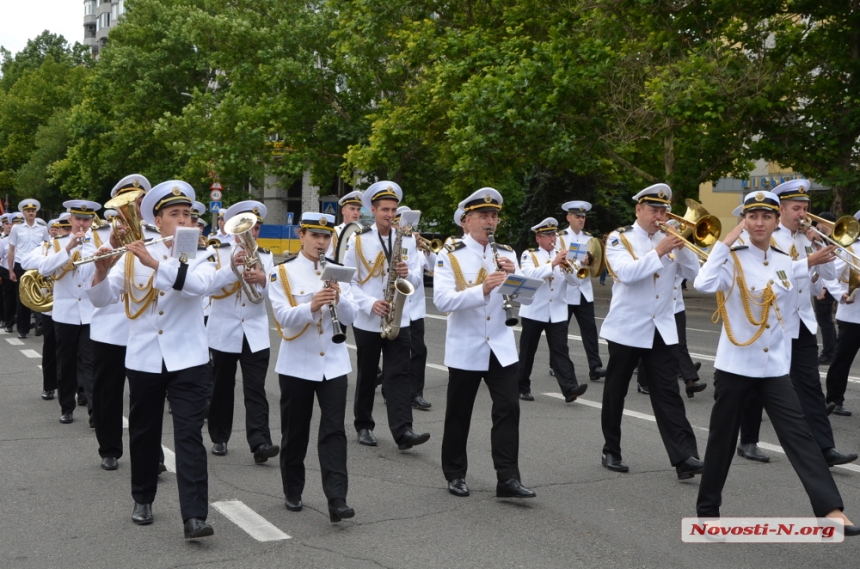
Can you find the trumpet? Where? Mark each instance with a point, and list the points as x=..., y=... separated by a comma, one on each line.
x=432, y=245
x=845, y=231
x=337, y=335
x=571, y=267
x=116, y=252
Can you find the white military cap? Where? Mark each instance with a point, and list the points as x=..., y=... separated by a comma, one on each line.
x=547, y=225
x=383, y=190
x=130, y=183
x=222, y=211
x=3, y=218
x=402, y=208
x=483, y=199
x=63, y=219
x=317, y=222
x=82, y=208
x=109, y=214
x=656, y=195
x=201, y=222
x=857, y=216
x=458, y=217
x=165, y=194
x=247, y=206
x=352, y=198
x=577, y=207
x=761, y=200
x=197, y=209
x=793, y=190
x=738, y=210
x=16, y=217
x=29, y=204
x=54, y=223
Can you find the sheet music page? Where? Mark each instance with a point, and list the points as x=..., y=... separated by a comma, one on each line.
x=185, y=242
x=410, y=219
x=520, y=286
x=337, y=273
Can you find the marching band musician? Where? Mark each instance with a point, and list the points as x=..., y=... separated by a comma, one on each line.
x=478, y=345
x=580, y=296
x=547, y=312
x=643, y=262
x=238, y=332
x=220, y=235
x=72, y=310
x=309, y=363
x=166, y=355
x=350, y=211
x=23, y=238
x=754, y=354
x=800, y=319
x=7, y=310
x=371, y=251
x=848, y=339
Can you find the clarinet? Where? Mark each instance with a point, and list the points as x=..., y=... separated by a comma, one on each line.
x=337, y=335
x=510, y=319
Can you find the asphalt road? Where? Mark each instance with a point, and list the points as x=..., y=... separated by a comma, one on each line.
x=59, y=509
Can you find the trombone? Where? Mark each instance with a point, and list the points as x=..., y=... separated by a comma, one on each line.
x=697, y=223
x=844, y=230
x=433, y=245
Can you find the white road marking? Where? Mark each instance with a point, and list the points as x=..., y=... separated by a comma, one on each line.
x=253, y=523
x=169, y=459
x=124, y=423
x=15, y=341
x=646, y=417
x=31, y=354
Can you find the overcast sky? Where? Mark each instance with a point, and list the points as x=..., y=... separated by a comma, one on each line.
x=21, y=20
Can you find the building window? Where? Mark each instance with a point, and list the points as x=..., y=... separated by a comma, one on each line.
x=121, y=9
x=89, y=7
x=113, y=11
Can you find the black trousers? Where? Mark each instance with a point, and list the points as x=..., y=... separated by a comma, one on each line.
x=584, y=312
x=254, y=367
x=22, y=312
x=108, y=388
x=556, y=339
x=74, y=364
x=10, y=298
x=847, y=345
x=807, y=382
x=505, y=433
x=780, y=399
x=751, y=419
x=685, y=363
x=297, y=408
x=661, y=365
x=49, y=354
x=395, y=380
x=186, y=390
x=824, y=316
x=417, y=357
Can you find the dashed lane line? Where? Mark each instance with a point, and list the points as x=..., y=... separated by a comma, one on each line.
x=253, y=523
x=31, y=354
x=15, y=341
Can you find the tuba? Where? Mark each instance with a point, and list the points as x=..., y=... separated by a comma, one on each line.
x=126, y=213
x=240, y=227
x=396, y=290
x=36, y=292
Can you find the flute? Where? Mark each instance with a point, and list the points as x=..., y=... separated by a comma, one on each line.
x=116, y=252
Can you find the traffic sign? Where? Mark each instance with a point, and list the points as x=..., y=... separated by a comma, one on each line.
x=214, y=206
x=215, y=186
x=215, y=195
x=329, y=208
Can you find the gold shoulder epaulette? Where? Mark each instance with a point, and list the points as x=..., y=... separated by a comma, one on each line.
x=777, y=249
x=741, y=248
x=587, y=233
x=625, y=228
x=264, y=250
x=451, y=247
x=505, y=247
x=288, y=258
x=365, y=229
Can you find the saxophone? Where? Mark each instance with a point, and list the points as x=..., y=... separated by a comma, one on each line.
x=396, y=290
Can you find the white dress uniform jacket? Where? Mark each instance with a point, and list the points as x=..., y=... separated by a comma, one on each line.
x=171, y=328
x=582, y=287
x=4, y=250
x=71, y=304
x=476, y=323
x=550, y=300
x=770, y=354
x=235, y=317
x=374, y=289
x=642, y=295
x=416, y=303
x=109, y=324
x=798, y=243
x=25, y=238
x=678, y=294
x=839, y=286
x=310, y=354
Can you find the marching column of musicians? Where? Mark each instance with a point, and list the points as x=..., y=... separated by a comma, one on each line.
x=124, y=279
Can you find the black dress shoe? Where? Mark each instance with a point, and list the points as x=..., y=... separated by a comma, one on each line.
x=642, y=389
x=752, y=452
x=851, y=531
x=596, y=374
x=689, y=468
x=219, y=449
x=195, y=528
x=92, y=421
x=824, y=361
x=162, y=468
x=38, y=331
x=81, y=398
x=66, y=418
x=294, y=503
x=22, y=336
x=830, y=408
x=338, y=510
x=420, y=403
x=8, y=329
x=841, y=411
x=48, y=394
x=512, y=488
x=695, y=387
x=575, y=392
x=411, y=439
x=613, y=463
x=527, y=396
x=264, y=452
x=142, y=514
x=109, y=463
x=458, y=487
x=365, y=437
x=697, y=366
x=833, y=457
